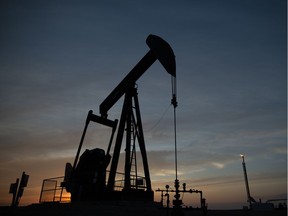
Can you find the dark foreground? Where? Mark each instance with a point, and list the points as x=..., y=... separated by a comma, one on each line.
x=121, y=209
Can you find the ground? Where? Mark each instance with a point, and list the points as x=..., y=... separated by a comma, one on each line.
x=121, y=209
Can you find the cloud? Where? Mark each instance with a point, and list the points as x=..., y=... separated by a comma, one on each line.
x=218, y=165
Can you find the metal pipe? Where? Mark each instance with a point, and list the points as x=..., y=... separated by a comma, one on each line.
x=246, y=181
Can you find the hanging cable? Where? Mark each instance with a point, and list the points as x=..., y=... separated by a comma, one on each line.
x=175, y=104
x=175, y=142
x=177, y=202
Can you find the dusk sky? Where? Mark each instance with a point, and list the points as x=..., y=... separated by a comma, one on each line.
x=60, y=59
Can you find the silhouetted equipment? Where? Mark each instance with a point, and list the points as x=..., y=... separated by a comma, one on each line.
x=249, y=198
x=13, y=190
x=18, y=191
x=253, y=204
x=178, y=205
x=86, y=179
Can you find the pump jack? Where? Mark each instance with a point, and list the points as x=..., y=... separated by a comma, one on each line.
x=86, y=180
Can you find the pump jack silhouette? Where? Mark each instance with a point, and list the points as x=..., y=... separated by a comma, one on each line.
x=86, y=179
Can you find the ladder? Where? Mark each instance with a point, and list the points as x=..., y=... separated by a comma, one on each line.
x=133, y=158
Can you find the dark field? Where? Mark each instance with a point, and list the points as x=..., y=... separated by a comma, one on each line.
x=121, y=209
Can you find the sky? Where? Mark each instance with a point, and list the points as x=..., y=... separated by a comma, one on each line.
x=60, y=59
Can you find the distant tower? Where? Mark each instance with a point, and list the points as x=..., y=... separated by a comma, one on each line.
x=246, y=181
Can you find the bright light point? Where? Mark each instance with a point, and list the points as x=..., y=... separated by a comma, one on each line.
x=241, y=155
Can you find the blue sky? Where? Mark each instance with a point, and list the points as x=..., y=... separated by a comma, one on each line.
x=59, y=59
